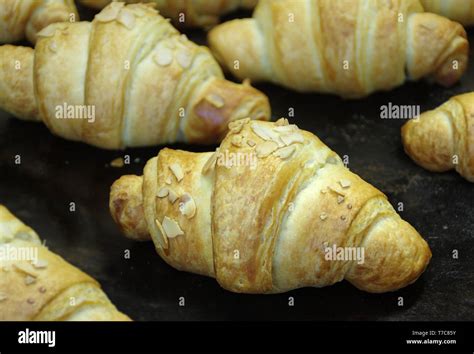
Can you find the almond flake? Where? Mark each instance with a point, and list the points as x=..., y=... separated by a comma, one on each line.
x=109, y=13
x=251, y=143
x=40, y=264
x=187, y=206
x=53, y=47
x=263, y=132
x=266, y=148
x=30, y=280
x=177, y=171
x=345, y=183
x=332, y=160
x=210, y=163
x=163, y=56
x=126, y=18
x=26, y=269
x=237, y=125
x=163, y=239
x=168, y=180
x=291, y=138
x=48, y=31
x=285, y=152
x=286, y=128
x=184, y=58
x=323, y=216
x=281, y=122
x=237, y=140
x=163, y=192
x=340, y=199
x=172, y=196
x=216, y=100
x=171, y=228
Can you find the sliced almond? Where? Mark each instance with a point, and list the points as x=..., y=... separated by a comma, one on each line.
x=184, y=58
x=110, y=13
x=187, y=206
x=266, y=148
x=286, y=128
x=345, y=183
x=292, y=138
x=163, y=192
x=163, y=56
x=163, y=239
x=264, y=132
x=171, y=228
x=285, y=152
x=53, y=46
x=40, y=264
x=281, y=122
x=30, y=280
x=216, y=100
x=210, y=163
x=26, y=269
x=177, y=171
x=251, y=143
x=48, y=31
x=172, y=196
x=237, y=140
x=340, y=199
x=237, y=125
x=168, y=180
x=126, y=18
x=323, y=216
x=332, y=160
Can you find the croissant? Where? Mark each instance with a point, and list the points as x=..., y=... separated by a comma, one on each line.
x=349, y=48
x=264, y=213
x=36, y=284
x=189, y=13
x=25, y=18
x=126, y=79
x=461, y=11
x=443, y=139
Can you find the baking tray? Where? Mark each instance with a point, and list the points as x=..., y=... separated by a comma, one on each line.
x=54, y=172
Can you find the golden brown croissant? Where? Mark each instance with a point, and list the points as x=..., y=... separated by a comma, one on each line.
x=25, y=18
x=36, y=284
x=443, y=139
x=265, y=211
x=126, y=79
x=346, y=47
x=461, y=11
x=189, y=13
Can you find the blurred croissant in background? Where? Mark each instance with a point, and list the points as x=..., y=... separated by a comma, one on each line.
x=25, y=18
x=188, y=13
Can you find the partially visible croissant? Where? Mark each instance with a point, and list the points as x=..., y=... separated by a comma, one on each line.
x=126, y=79
x=443, y=139
x=461, y=11
x=346, y=47
x=261, y=212
x=38, y=285
x=25, y=18
x=189, y=13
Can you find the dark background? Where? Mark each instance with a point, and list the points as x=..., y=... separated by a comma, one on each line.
x=55, y=172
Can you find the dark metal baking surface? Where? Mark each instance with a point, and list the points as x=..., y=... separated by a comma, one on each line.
x=54, y=172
